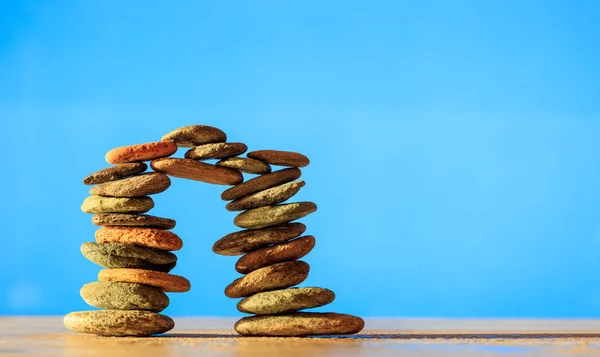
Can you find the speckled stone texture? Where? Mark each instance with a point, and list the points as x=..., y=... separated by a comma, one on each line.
x=281, y=158
x=198, y=171
x=246, y=165
x=140, y=152
x=99, y=204
x=193, y=135
x=145, y=237
x=124, y=296
x=117, y=255
x=115, y=172
x=272, y=215
x=165, y=282
x=135, y=186
x=276, y=276
x=241, y=242
x=287, y=251
x=286, y=300
x=216, y=151
x=300, y=324
x=261, y=183
x=268, y=197
x=132, y=220
x=119, y=322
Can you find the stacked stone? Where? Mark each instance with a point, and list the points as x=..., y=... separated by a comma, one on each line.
x=133, y=247
x=272, y=245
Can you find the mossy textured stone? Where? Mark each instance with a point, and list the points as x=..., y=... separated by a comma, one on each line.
x=115, y=172
x=286, y=300
x=276, y=276
x=132, y=220
x=281, y=158
x=99, y=204
x=261, y=183
x=193, y=135
x=241, y=242
x=268, y=197
x=286, y=251
x=117, y=255
x=135, y=186
x=124, y=296
x=300, y=324
x=118, y=322
x=272, y=215
x=216, y=151
x=246, y=165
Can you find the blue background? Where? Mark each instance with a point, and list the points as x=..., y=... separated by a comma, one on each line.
x=454, y=144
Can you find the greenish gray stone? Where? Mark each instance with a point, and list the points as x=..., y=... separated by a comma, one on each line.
x=132, y=220
x=118, y=322
x=299, y=324
x=100, y=204
x=192, y=135
x=272, y=215
x=118, y=255
x=115, y=172
x=268, y=197
x=134, y=186
x=286, y=300
x=124, y=296
x=216, y=151
x=246, y=165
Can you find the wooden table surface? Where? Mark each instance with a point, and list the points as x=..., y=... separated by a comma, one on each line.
x=46, y=336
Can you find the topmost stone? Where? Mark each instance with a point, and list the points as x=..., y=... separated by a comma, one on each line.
x=140, y=152
x=281, y=158
x=194, y=135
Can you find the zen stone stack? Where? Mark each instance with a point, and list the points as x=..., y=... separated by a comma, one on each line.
x=135, y=248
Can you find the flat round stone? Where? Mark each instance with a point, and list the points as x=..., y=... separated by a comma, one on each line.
x=246, y=165
x=268, y=197
x=192, y=135
x=286, y=300
x=115, y=172
x=272, y=215
x=135, y=186
x=276, y=276
x=140, y=152
x=261, y=183
x=199, y=171
x=133, y=220
x=145, y=237
x=165, y=282
x=281, y=158
x=241, y=242
x=216, y=151
x=118, y=322
x=124, y=296
x=117, y=255
x=300, y=324
x=99, y=204
x=287, y=251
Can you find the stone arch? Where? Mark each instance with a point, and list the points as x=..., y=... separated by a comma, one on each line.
x=136, y=249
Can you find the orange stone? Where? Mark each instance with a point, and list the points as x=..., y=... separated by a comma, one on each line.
x=141, y=152
x=165, y=282
x=145, y=237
